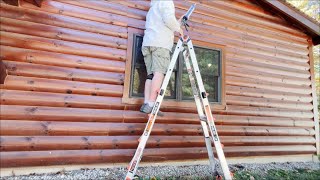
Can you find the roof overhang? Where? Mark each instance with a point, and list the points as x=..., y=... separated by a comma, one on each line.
x=296, y=17
x=17, y=2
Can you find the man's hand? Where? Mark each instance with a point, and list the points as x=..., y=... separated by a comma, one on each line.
x=181, y=32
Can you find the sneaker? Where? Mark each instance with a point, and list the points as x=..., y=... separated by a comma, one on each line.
x=145, y=108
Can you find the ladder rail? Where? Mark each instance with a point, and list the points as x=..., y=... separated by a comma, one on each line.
x=202, y=104
x=146, y=133
x=208, y=112
x=200, y=112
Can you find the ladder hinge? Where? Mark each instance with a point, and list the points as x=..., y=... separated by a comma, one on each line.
x=203, y=118
x=161, y=92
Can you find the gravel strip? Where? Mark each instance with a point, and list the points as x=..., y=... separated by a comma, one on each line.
x=178, y=172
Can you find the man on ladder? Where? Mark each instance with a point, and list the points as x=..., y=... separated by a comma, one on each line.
x=161, y=15
x=157, y=43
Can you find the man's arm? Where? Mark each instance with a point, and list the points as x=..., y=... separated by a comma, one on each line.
x=167, y=11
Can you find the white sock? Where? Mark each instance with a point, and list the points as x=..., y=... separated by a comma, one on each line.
x=151, y=104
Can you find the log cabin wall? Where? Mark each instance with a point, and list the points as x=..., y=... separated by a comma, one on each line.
x=61, y=102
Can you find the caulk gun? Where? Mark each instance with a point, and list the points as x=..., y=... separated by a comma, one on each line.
x=186, y=17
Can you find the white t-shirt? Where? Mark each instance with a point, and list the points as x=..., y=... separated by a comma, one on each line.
x=161, y=24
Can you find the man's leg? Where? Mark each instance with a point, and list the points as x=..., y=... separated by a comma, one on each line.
x=147, y=86
x=154, y=90
x=155, y=86
x=161, y=61
x=147, y=90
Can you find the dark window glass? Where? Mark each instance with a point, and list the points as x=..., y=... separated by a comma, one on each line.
x=139, y=72
x=179, y=88
x=209, y=65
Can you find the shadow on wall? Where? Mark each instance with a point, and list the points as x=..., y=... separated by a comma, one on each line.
x=3, y=72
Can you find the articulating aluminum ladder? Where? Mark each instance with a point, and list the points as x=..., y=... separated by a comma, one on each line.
x=202, y=103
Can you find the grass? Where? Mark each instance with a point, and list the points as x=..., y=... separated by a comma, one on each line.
x=276, y=174
x=273, y=174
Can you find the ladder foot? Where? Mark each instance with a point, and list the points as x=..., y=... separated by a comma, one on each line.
x=218, y=177
x=136, y=177
x=231, y=175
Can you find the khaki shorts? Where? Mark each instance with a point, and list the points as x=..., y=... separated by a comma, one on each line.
x=157, y=59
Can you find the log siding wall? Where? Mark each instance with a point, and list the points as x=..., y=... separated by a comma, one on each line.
x=61, y=102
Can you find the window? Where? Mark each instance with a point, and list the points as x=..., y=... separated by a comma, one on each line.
x=139, y=73
x=179, y=88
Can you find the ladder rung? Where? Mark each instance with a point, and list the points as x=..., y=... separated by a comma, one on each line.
x=203, y=118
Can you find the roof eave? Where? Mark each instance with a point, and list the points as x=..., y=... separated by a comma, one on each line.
x=307, y=25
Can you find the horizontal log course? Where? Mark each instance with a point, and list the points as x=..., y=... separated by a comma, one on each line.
x=45, y=44
x=39, y=113
x=60, y=157
x=62, y=86
x=248, y=9
x=62, y=60
x=30, y=98
x=212, y=9
x=239, y=45
x=263, y=102
x=111, y=7
x=263, y=76
x=236, y=38
x=241, y=39
x=230, y=26
x=283, y=46
x=87, y=13
x=53, y=128
x=266, y=93
x=250, y=38
x=276, y=35
x=254, y=5
x=251, y=50
x=252, y=58
x=259, y=56
x=100, y=115
x=14, y=108
x=254, y=83
x=45, y=143
x=209, y=9
x=247, y=62
x=53, y=32
x=140, y=5
x=262, y=121
x=34, y=15
x=71, y=74
x=208, y=19
x=258, y=47
x=264, y=111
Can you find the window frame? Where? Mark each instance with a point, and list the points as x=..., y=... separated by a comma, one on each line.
x=181, y=63
x=126, y=99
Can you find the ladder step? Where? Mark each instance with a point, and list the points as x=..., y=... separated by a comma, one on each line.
x=203, y=118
